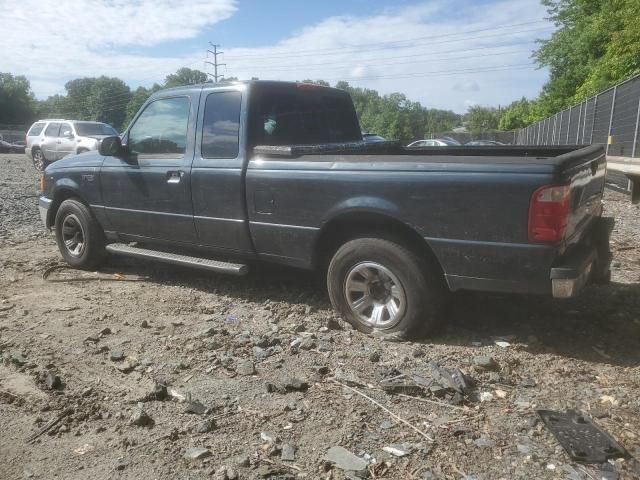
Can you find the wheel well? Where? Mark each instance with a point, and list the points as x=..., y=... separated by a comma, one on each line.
x=59, y=197
x=353, y=225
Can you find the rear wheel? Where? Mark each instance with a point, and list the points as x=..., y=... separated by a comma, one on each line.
x=39, y=162
x=79, y=237
x=379, y=285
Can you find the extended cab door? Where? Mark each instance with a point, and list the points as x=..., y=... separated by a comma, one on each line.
x=218, y=171
x=147, y=192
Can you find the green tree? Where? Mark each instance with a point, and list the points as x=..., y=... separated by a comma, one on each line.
x=17, y=103
x=518, y=114
x=482, y=119
x=103, y=99
x=136, y=101
x=185, y=76
x=596, y=44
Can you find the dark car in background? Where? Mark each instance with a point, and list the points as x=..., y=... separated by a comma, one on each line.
x=373, y=137
x=485, y=143
x=11, y=147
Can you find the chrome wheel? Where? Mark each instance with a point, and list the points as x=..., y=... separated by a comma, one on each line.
x=38, y=160
x=375, y=295
x=73, y=235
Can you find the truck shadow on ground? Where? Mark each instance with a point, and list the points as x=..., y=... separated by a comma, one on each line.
x=602, y=325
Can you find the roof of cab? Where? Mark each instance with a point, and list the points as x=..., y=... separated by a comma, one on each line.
x=211, y=85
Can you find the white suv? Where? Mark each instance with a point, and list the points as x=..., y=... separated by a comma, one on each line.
x=51, y=139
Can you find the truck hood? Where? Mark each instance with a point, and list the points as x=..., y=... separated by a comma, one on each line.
x=88, y=159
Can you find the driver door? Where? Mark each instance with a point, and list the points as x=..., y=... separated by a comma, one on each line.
x=147, y=193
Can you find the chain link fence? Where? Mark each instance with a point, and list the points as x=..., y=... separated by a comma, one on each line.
x=611, y=117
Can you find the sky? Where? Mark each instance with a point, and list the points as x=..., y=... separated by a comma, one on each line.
x=448, y=54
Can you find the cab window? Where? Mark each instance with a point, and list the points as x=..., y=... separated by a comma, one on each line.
x=221, y=125
x=52, y=130
x=161, y=129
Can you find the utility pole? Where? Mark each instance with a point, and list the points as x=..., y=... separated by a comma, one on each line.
x=215, y=63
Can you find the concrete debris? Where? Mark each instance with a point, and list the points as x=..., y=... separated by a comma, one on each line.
x=345, y=460
x=196, y=453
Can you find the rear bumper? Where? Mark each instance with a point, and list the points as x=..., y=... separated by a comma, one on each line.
x=590, y=261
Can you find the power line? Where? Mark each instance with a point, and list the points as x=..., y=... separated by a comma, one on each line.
x=337, y=50
x=215, y=63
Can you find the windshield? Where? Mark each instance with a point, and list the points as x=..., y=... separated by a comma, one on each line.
x=86, y=129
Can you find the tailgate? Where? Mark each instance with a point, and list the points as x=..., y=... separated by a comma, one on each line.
x=585, y=171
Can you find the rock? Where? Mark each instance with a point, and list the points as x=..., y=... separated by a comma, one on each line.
x=325, y=346
x=144, y=324
x=484, y=442
x=196, y=453
x=333, y=324
x=374, y=357
x=293, y=384
x=288, y=453
x=53, y=381
x=524, y=449
x=245, y=367
x=308, y=344
x=260, y=353
x=205, y=427
x=345, y=460
x=140, y=418
x=486, y=396
x=269, y=437
x=485, y=362
x=86, y=392
x=397, y=450
x=116, y=355
x=208, y=332
x=528, y=383
x=232, y=474
x=195, y=407
x=347, y=378
x=105, y=331
x=221, y=474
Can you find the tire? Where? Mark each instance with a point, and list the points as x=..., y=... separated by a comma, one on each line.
x=39, y=162
x=79, y=237
x=372, y=274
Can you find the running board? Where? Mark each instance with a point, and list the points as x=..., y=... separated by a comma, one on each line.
x=177, y=259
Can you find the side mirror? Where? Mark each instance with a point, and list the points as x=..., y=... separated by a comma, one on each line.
x=111, y=147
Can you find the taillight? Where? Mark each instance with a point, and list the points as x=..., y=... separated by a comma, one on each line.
x=549, y=213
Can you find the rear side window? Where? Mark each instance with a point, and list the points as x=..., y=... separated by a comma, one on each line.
x=289, y=115
x=35, y=129
x=161, y=130
x=52, y=130
x=221, y=126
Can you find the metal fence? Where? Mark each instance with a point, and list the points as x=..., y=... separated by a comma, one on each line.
x=611, y=117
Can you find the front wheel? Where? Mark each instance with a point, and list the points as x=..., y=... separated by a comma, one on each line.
x=379, y=285
x=79, y=236
x=39, y=162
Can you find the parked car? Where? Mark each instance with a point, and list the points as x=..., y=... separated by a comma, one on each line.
x=435, y=142
x=484, y=143
x=217, y=177
x=372, y=137
x=11, y=147
x=51, y=139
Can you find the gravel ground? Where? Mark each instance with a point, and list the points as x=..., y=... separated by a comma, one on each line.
x=172, y=373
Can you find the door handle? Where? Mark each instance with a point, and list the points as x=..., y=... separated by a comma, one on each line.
x=174, y=176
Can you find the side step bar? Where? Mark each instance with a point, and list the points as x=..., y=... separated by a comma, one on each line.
x=177, y=259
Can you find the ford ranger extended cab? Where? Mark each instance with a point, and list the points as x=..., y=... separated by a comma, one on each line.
x=218, y=177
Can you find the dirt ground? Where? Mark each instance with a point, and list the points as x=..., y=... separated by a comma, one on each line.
x=247, y=369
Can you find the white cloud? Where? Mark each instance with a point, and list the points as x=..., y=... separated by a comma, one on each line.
x=52, y=41
x=412, y=49
x=453, y=48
